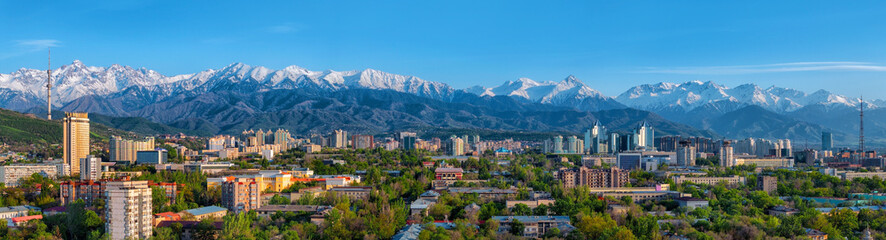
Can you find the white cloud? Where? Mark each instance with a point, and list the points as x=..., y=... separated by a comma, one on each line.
x=23, y=47
x=770, y=68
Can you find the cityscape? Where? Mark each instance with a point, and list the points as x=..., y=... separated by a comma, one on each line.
x=250, y=152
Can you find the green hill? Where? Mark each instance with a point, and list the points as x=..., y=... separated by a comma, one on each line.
x=17, y=129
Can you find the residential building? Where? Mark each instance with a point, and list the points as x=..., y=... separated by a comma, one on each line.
x=726, y=155
x=691, y=202
x=240, y=194
x=641, y=196
x=189, y=228
x=125, y=150
x=764, y=162
x=75, y=140
x=90, y=168
x=534, y=226
x=363, y=141
x=686, y=154
x=16, y=211
x=166, y=216
x=128, y=210
x=768, y=184
x=709, y=180
x=446, y=176
x=269, y=210
x=456, y=146
x=530, y=203
x=311, y=148
x=158, y=156
x=488, y=193
x=353, y=192
x=644, y=137
x=12, y=174
x=594, y=178
x=198, y=214
x=339, y=139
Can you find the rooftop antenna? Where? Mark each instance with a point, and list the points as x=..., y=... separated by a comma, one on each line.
x=49, y=85
x=861, y=127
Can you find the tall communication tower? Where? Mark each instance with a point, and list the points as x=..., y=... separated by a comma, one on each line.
x=49, y=86
x=861, y=127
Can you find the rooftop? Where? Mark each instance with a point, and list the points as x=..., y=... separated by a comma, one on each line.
x=449, y=170
x=205, y=210
x=22, y=208
x=291, y=208
x=526, y=219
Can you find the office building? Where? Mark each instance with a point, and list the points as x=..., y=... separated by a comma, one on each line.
x=594, y=178
x=240, y=194
x=363, y=141
x=11, y=175
x=151, y=157
x=594, y=137
x=128, y=210
x=628, y=161
x=644, y=137
x=125, y=150
x=76, y=140
x=827, y=141
x=90, y=168
x=614, y=143
x=686, y=154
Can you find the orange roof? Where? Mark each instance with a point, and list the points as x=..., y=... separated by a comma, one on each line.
x=168, y=215
x=26, y=218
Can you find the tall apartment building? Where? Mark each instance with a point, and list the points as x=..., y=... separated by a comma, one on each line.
x=339, y=139
x=727, y=159
x=456, y=146
x=90, y=168
x=11, y=174
x=128, y=210
x=125, y=150
x=240, y=194
x=644, y=136
x=594, y=178
x=686, y=154
x=76, y=140
x=363, y=141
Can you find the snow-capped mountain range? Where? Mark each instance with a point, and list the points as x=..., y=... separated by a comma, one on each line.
x=77, y=80
x=690, y=95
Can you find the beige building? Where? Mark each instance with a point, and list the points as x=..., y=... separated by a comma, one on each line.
x=709, y=180
x=594, y=178
x=76, y=140
x=766, y=162
x=240, y=194
x=11, y=174
x=125, y=150
x=128, y=211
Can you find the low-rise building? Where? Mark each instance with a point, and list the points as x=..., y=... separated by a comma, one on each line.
x=768, y=184
x=269, y=210
x=535, y=226
x=488, y=193
x=16, y=211
x=12, y=174
x=530, y=203
x=640, y=196
x=201, y=213
x=166, y=216
x=782, y=211
x=691, y=202
x=240, y=194
x=189, y=228
x=353, y=192
x=709, y=180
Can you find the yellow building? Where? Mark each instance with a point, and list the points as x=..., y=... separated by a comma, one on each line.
x=76, y=140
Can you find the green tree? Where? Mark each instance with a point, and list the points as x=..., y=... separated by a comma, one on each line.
x=517, y=227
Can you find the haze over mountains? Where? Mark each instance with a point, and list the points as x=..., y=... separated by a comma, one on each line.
x=240, y=96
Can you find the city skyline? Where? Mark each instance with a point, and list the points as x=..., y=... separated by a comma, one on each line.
x=610, y=46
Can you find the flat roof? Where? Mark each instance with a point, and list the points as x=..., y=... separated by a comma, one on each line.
x=206, y=210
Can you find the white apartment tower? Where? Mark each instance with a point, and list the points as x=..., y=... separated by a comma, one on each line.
x=128, y=210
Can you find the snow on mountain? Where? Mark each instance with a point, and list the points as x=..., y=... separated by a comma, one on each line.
x=542, y=92
x=691, y=95
x=77, y=80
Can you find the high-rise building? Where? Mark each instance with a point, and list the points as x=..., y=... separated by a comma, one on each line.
x=240, y=194
x=363, y=141
x=726, y=155
x=76, y=140
x=128, y=210
x=613, y=143
x=339, y=139
x=90, y=168
x=645, y=136
x=558, y=144
x=456, y=146
x=827, y=141
x=686, y=154
x=594, y=136
x=572, y=145
x=281, y=137
x=260, y=137
x=124, y=150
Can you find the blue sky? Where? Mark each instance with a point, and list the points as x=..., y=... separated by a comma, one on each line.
x=610, y=45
